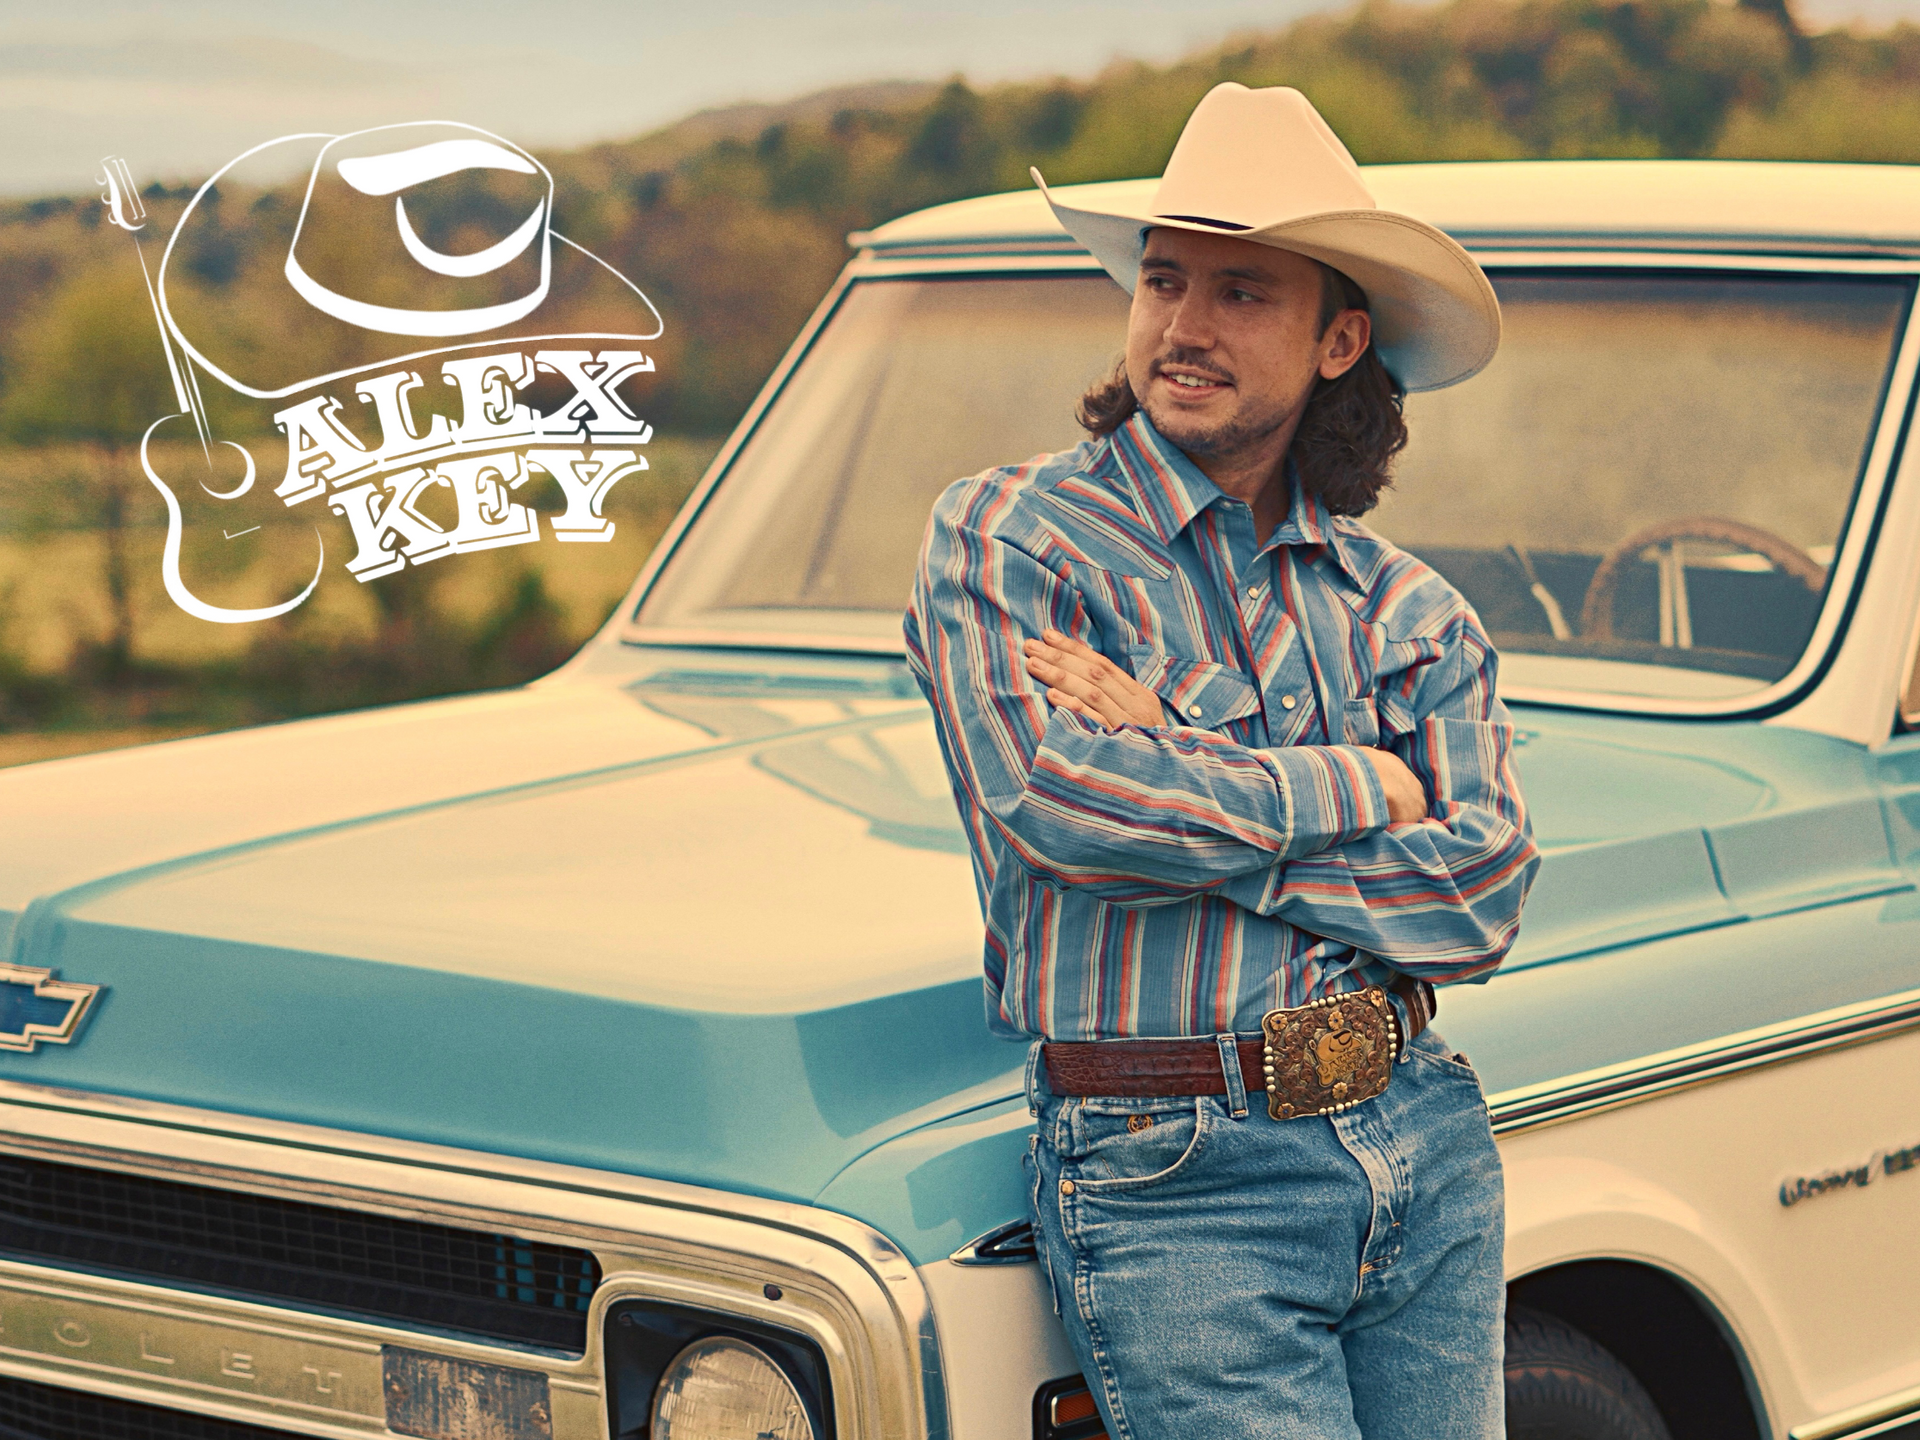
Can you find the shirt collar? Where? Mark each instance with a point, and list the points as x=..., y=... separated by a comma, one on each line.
x=1169, y=490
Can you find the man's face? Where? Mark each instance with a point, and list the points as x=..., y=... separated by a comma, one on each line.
x=1224, y=340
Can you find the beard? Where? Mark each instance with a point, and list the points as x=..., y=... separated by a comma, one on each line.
x=1245, y=429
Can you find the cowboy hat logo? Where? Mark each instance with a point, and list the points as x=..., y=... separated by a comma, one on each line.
x=417, y=250
x=391, y=173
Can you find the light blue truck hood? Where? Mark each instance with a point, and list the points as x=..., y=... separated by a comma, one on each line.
x=709, y=927
x=707, y=919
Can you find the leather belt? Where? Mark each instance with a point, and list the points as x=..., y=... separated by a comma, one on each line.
x=1314, y=1059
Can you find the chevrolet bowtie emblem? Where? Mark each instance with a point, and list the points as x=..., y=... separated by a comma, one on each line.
x=35, y=1007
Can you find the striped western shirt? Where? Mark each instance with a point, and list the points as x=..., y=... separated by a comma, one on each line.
x=1185, y=879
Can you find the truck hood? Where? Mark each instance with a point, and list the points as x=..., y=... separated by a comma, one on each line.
x=702, y=925
x=708, y=919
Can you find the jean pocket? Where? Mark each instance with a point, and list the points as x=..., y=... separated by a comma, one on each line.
x=1442, y=1057
x=1132, y=1149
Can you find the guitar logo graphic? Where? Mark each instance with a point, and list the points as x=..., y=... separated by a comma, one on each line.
x=375, y=307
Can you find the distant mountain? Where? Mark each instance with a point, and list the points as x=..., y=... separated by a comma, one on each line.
x=746, y=121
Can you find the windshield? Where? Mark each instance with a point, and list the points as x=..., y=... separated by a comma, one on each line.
x=1641, y=495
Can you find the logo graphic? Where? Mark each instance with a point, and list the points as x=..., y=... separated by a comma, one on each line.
x=415, y=250
x=35, y=1008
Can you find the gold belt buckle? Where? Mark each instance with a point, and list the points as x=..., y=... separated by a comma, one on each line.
x=1328, y=1055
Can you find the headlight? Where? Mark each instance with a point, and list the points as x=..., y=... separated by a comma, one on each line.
x=726, y=1389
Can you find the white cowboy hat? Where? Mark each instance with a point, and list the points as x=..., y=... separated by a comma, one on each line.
x=1262, y=165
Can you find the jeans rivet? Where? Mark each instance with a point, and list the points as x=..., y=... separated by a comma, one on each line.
x=1066, y=1187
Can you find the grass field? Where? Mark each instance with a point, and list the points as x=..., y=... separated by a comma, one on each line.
x=93, y=653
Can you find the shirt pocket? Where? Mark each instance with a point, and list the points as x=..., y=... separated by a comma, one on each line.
x=1402, y=666
x=1198, y=692
x=1361, y=724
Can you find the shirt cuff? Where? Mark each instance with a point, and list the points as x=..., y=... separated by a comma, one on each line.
x=1332, y=794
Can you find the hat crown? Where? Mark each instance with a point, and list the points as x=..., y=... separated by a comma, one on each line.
x=1263, y=166
x=1253, y=158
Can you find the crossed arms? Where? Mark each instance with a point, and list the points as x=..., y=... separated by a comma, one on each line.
x=1079, y=678
x=1103, y=796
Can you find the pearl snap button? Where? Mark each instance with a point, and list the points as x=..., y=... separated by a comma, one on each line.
x=1253, y=592
x=1286, y=702
x=1066, y=1187
x=1194, y=710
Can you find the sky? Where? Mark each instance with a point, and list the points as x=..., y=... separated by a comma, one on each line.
x=180, y=88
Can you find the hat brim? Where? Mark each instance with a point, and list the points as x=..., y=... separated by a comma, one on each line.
x=1436, y=320
x=587, y=300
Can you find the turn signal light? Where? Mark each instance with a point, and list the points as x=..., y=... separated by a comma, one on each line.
x=1064, y=1410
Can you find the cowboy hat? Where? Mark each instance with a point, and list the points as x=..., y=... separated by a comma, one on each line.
x=368, y=279
x=1262, y=165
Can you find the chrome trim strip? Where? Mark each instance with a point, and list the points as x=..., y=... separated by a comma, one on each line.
x=1906, y=692
x=934, y=267
x=1517, y=252
x=1846, y=575
x=989, y=1249
x=1775, y=246
x=1052, y=238
x=943, y=252
x=1875, y=1418
x=1900, y=1424
x=823, y=642
x=1570, y=1097
x=1783, y=245
x=844, y=1285
x=1542, y=253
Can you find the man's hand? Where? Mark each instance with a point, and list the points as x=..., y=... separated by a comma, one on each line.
x=1081, y=679
x=1406, y=796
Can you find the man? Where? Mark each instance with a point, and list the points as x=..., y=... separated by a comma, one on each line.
x=1239, y=791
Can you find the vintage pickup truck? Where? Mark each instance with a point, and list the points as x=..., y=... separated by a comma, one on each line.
x=606, y=1058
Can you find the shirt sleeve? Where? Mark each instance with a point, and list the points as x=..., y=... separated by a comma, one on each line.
x=1134, y=816
x=1438, y=898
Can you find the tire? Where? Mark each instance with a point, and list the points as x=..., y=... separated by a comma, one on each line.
x=1562, y=1386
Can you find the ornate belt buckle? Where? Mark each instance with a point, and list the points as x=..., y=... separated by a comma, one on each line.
x=1329, y=1054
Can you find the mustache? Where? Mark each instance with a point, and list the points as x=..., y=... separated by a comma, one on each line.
x=1192, y=360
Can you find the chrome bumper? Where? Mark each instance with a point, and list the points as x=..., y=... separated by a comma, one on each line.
x=842, y=1285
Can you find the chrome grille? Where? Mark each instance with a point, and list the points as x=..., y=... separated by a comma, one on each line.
x=317, y=1256
x=47, y=1412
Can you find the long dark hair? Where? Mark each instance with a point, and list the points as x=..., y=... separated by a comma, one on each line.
x=1348, y=436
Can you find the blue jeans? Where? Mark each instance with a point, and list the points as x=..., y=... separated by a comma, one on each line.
x=1222, y=1274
